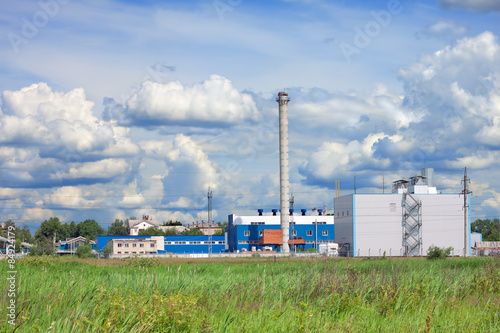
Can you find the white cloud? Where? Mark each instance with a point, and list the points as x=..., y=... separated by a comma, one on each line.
x=131, y=197
x=72, y=197
x=212, y=101
x=478, y=160
x=444, y=29
x=37, y=214
x=335, y=159
x=106, y=168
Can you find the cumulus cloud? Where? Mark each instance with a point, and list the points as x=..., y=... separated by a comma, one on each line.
x=448, y=118
x=189, y=170
x=213, y=102
x=71, y=197
x=48, y=136
x=336, y=159
x=131, y=197
x=106, y=168
x=473, y=5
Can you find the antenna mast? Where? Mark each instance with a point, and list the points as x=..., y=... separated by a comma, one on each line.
x=466, y=193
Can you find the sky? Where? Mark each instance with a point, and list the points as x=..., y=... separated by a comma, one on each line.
x=112, y=109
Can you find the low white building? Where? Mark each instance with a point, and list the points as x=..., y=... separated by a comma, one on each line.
x=134, y=226
x=403, y=223
x=136, y=246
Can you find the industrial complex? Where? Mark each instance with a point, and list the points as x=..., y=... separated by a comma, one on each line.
x=405, y=222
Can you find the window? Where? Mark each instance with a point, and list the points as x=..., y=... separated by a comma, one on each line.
x=342, y=213
x=309, y=233
x=126, y=244
x=119, y=252
x=347, y=213
x=141, y=245
x=325, y=233
x=294, y=232
x=261, y=233
x=126, y=252
x=247, y=233
x=119, y=244
x=151, y=245
x=134, y=245
x=392, y=207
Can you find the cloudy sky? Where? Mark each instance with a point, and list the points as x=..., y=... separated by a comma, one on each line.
x=111, y=109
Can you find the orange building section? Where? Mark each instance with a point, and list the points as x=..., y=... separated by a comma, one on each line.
x=297, y=241
x=271, y=237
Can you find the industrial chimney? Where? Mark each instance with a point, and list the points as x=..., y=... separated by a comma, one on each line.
x=284, y=185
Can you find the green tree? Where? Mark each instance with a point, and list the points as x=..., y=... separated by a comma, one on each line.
x=49, y=228
x=4, y=232
x=64, y=232
x=22, y=235
x=84, y=251
x=192, y=232
x=42, y=246
x=171, y=232
x=117, y=228
x=489, y=229
x=435, y=252
x=223, y=226
x=73, y=230
x=90, y=229
x=171, y=223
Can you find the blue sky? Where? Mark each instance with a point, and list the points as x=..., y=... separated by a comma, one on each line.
x=111, y=109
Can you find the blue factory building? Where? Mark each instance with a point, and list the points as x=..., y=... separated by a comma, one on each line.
x=166, y=244
x=306, y=231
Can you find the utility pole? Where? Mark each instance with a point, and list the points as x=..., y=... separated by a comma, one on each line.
x=465, y=193
x=209, y=213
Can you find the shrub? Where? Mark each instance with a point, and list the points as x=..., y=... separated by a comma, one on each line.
x=84, y=251
x=435, y=252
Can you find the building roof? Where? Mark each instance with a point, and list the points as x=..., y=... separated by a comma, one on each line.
x=487, y=245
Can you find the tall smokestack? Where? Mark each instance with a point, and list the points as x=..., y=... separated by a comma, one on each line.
x=284, y=186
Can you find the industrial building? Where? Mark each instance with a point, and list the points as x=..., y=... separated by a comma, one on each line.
x=405, y=222
x=251, y=233
x=162, y=244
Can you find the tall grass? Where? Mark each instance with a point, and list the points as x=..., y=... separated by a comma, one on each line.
x=257, y=295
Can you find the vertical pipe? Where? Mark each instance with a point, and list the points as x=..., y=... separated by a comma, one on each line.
x=284, y=181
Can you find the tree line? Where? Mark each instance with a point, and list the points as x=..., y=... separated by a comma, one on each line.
x=52, y=230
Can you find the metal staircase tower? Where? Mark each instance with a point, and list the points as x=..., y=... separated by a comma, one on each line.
x=412, y=225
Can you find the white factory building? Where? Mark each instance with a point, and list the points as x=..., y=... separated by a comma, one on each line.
x=405, y=222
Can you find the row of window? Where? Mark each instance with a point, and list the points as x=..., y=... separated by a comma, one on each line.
x=291, y=222
x=346, y=213
x=294, y=233
x=193, y=243
x=134, y=252
x=247, y=242
x=134, y=245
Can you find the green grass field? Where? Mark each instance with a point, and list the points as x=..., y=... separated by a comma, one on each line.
x=254, y=295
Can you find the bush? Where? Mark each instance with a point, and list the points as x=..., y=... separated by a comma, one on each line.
x=84, y=251
x=435, y=252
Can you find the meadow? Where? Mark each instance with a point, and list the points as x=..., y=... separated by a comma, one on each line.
x=254, y=295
